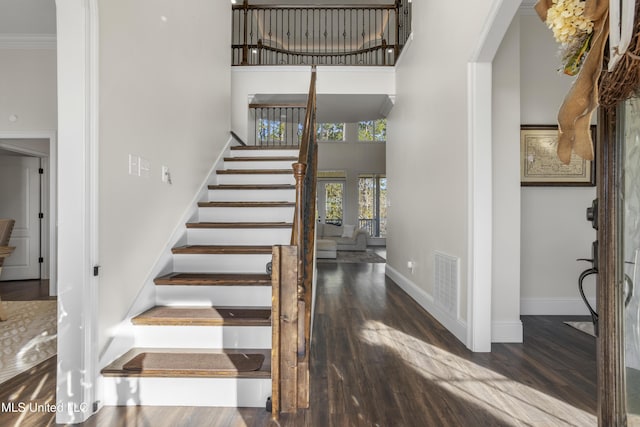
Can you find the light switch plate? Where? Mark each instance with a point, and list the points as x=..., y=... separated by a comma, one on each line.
x=134, y=161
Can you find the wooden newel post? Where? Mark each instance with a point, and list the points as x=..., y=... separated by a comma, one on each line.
x=299, y=171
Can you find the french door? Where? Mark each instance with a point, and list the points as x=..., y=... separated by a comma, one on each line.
x=330, y=202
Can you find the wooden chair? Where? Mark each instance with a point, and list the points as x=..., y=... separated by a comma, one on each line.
x=6, y=227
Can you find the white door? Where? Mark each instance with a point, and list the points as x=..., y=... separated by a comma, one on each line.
x=20, y=200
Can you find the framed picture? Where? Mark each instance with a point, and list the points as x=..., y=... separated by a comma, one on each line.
x=539, y=163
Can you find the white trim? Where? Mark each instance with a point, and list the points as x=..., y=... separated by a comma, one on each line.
x=77, y=37
x=555, y=306
x=480, y=214
x=27, y=41
x=52, y=262
x=404, y=49
x=506, y=332
x=456, y=326
x=480, y=182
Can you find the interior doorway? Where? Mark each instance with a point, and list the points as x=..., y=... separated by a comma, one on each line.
x=28, y=192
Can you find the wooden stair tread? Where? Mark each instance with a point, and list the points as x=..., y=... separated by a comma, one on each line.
x=254, y=171
x=261, y=159
x=227, y=249
x=252, y=187
x=265, y=147
x=239, y=225
x=260, y=204
x=214, y=279
x=201, y=363
x=204, y=316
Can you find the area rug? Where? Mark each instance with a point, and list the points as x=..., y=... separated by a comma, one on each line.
x=28, y=337
x=355, y=257
x=586, y=327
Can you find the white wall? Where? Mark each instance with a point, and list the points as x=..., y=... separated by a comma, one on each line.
x=354, y=158
x=28, y=89
x=427, y=149
x=554, y=228
x=505, y=301
x=164, y=96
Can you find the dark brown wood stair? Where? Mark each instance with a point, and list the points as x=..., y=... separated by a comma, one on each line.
x=213, y=279
x=252, y=187
x=264, y=147
x=261, y=159
x=204, y=316
x=246, y=204
x=255, y=172
x=225, y=250
x=239, y=225
x=201, y=363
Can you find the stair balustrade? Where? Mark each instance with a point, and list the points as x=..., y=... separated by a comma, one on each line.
x=292, y=280
x=319, y=35
x=277, y=124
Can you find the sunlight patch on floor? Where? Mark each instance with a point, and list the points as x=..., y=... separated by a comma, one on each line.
x=508, y=400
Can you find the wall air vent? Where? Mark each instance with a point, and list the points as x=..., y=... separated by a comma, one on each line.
x=445, y=292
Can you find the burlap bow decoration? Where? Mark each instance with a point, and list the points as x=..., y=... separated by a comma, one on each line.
x=574, y=117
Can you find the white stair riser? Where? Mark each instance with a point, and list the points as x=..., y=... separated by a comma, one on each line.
x=245, y=214
x=252, y=195
x=261, y=164
x=221, y=263
x=211, y=337
x=229, y=392
x=264, y=153
x=207, y=296
x=239, y=236
x=256, y=179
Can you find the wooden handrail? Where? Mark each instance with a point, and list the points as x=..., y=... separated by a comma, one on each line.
x=279, y=105
x=382, y=45
x=316, y=6
x=292, y=280
x=309, y=120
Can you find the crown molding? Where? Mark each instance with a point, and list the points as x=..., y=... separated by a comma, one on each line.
x=27, y=41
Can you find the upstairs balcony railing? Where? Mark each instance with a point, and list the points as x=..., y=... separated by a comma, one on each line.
x=319, y=35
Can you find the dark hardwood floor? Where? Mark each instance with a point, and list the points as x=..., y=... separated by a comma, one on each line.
x=378, y=359
x=25, y=290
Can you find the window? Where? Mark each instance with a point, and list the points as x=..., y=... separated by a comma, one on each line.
x=270, y=131
x=330, y=206
x=334, y=200
x=373, y=130
x=372, y=204
x=330, y=132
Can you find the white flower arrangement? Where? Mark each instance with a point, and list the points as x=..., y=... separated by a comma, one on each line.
x=572, y=30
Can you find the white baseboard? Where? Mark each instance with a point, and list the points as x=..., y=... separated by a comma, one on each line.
x=506, y=332
x=456, y=326
x=555, y=306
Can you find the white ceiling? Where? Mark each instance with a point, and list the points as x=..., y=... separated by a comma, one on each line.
x=27, y=17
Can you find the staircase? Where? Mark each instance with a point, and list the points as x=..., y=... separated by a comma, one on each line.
x=207, y=340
